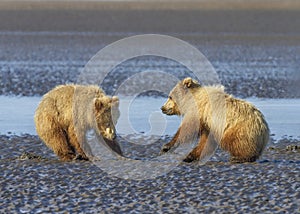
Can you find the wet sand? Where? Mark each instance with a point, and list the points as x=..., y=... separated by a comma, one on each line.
x=255, y=51
x=38, y=182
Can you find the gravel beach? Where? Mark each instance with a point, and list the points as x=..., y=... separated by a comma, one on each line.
x=255, y=50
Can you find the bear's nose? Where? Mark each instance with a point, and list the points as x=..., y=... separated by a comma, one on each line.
x=162, y=108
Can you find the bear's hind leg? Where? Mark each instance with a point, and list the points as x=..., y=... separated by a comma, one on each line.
x=50, y=130
x=57, y=140
x=59, y=144
x=240, y=151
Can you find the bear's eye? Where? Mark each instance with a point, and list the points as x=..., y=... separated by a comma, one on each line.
x=170, y=97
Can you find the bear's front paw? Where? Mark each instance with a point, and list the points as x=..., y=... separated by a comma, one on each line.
x=190, y=158
x=81, y=157
x=164, y=149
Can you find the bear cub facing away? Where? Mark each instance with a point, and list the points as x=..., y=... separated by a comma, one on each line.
x=67, y=112
x=213, y=117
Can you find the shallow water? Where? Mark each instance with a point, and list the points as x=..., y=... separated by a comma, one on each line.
x=142, y=116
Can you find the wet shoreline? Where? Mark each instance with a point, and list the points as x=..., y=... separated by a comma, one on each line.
x=17, y=113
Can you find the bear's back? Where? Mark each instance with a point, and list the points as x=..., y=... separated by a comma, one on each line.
x=64, y=95
x=241, y=109
x=214, y=100
x=60, y=101
x=61, y=98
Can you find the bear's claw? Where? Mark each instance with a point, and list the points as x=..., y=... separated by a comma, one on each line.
x=80, y=157
x=164, y=149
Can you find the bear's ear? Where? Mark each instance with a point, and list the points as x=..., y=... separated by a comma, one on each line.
x=115, y=101
x=189, y=83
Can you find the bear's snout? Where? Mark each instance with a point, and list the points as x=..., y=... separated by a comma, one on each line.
x=163, y=109
x=166, y=110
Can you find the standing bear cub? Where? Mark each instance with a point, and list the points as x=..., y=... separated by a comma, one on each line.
x=67, y=112
x=214, y=118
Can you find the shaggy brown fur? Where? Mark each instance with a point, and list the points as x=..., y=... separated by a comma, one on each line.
x=67, y=112
x=217, y=119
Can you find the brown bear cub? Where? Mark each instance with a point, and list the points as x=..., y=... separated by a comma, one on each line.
x=213, y=118
x=67, y=112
